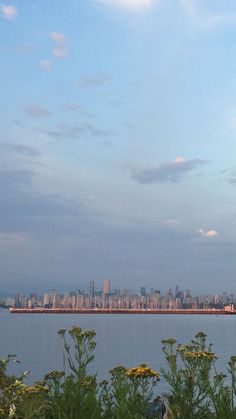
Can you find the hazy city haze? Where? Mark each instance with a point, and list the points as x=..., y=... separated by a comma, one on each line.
x=118, y=144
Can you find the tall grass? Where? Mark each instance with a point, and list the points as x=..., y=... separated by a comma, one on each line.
x=196, y=388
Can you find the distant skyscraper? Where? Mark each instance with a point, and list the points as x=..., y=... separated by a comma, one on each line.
x=176, y=291
x=106, y=286
x=46, y=299
x=143, y=291
x=54, y=301
x=91, y=289
x=52, y=295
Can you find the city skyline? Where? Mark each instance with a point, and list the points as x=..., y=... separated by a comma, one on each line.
x=103, y=296
x=118, y=122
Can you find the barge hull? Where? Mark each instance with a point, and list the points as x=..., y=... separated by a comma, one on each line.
x=119, y=311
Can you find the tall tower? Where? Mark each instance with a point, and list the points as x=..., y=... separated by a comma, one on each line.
x=106, y=286
x=54, y=301
x=176, y=291
x=91, y=289
x=52, y=296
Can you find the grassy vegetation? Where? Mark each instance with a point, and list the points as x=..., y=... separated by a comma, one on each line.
x=196, y=389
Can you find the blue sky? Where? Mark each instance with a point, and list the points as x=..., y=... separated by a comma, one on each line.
x=118, y=142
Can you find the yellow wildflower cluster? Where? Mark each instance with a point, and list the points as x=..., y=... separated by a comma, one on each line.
x=200, y=355
x=142, y=372
x=22, y=389
x=88, y=382
x=36, y=389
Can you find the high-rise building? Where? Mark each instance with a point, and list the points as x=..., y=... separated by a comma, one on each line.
x=54, y=301
x=177, y=291
x=143, y=291
x=106, y=286
x=52, y=295
x=91, y=289
x=46, y=300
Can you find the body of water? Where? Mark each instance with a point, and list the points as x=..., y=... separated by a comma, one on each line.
x=121, y=339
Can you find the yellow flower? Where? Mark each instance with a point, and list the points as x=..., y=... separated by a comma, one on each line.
x=200, y=355
x=36, y=389
x=142, y=371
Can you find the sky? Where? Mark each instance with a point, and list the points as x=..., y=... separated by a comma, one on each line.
x=118, y=144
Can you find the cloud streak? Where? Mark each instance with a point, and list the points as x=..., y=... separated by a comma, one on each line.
x=8, y=12
x=78, y=131
x=208, y=233
x=36, y=111
x=191, y=8
x=165, y=173
x=94, y=81
x=130, y=5
x=20, y=149
x=23, y=208
x=60, y=49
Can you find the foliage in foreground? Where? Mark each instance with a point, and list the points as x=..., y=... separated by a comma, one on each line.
x=196, y=389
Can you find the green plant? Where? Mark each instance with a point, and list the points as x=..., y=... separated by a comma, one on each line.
x=129, y=392
x=75, y=395
x=18, y=400
x=197, y=390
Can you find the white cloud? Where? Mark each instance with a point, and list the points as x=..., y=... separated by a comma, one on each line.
x=208, y=233
x=58, y=37
x=180, y=160
x=46, y=65
x=132, y=5
x=209, y=20
x=60, y=50
x=8, y=12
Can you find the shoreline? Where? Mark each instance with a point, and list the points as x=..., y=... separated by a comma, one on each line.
x=120, y=311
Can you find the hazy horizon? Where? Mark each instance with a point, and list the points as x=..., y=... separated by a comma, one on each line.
x=118, y=143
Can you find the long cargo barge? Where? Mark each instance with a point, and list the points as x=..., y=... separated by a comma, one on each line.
x=39, y=310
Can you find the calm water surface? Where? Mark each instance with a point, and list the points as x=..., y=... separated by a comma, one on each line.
x=122, y=339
